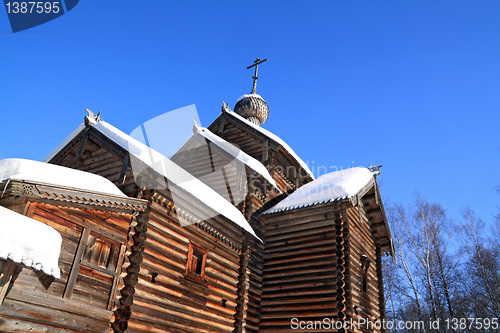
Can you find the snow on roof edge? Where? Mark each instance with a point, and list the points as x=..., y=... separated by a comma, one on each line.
x=330, y=187
x=178, y=175
x=126, y=142
x=277, y=139
x=29, y=242
x=248, y=160
x=52, y=174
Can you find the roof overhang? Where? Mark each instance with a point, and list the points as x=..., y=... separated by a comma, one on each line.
x=260, y=132
x=73, y=197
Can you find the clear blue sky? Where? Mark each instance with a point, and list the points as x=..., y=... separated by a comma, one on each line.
x=413, y=85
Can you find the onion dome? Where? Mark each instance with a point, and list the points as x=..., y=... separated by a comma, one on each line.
x=252, y=106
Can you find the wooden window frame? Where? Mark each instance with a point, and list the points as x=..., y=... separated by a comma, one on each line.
x=365, y=265
x=78, y=261
x=189, y=273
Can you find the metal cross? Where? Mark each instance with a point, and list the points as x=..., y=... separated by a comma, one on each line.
x=256, y=64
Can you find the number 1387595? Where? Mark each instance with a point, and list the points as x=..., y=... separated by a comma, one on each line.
x=472, y=323
x=29, y=7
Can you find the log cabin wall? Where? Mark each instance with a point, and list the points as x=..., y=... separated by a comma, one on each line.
x=172, y=302
x=91, y=259
x=248, y=288
x=166, y=298
x=254, y=269
x=363, y=294
x=300, y=267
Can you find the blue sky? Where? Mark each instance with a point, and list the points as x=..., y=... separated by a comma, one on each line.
x=412, y=85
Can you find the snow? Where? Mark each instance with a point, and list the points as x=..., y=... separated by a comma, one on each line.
x=238, y=154
x=28, y=170
x=176, y=174
x=172, y=172
x=249, y=95
x=329, y=187
x=29, y=242
x=276, y=139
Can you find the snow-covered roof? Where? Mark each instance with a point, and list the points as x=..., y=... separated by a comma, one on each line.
x=29, y=170
x=327, y=188
x=169, y=170
x=237, y=153
x=29, y=242
x=276, y=139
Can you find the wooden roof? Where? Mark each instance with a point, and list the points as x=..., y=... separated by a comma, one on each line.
x=191, y=210
x=260, y=144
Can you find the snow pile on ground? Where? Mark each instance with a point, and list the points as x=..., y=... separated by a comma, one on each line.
x=31, y=243
x=329, y=187
x=28, y=170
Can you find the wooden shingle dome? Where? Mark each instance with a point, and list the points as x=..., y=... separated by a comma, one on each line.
x=253, y=108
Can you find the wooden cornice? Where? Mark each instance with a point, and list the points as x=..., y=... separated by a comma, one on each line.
x=72, y=196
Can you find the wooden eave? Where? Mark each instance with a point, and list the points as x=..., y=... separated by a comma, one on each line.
x=73, y=197
x=81, y=139
x=249, y=129
x=378, y=218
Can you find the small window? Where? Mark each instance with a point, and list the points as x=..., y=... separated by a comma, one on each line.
x=195, y=268
x=365, y=264
x=96, y=264
x=100, y=253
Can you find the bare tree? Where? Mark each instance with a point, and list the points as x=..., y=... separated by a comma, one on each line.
x=405, y=284
x=426, y=267
x=482, y=269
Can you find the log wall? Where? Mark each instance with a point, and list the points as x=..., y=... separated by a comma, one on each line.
x=172, y=303
x=252, y=301
x=313, y=268
x=161, y=298
x=299, y=277
x=361, y=242
x=34, y=304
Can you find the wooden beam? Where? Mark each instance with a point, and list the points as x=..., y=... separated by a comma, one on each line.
x=123, y=171
x=221, y=126
x=75, y=268
x=82, y=144
x=5, y=277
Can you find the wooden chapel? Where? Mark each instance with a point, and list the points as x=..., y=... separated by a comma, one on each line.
x=250, y=242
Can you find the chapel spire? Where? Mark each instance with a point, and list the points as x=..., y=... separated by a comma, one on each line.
x=252, y=106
